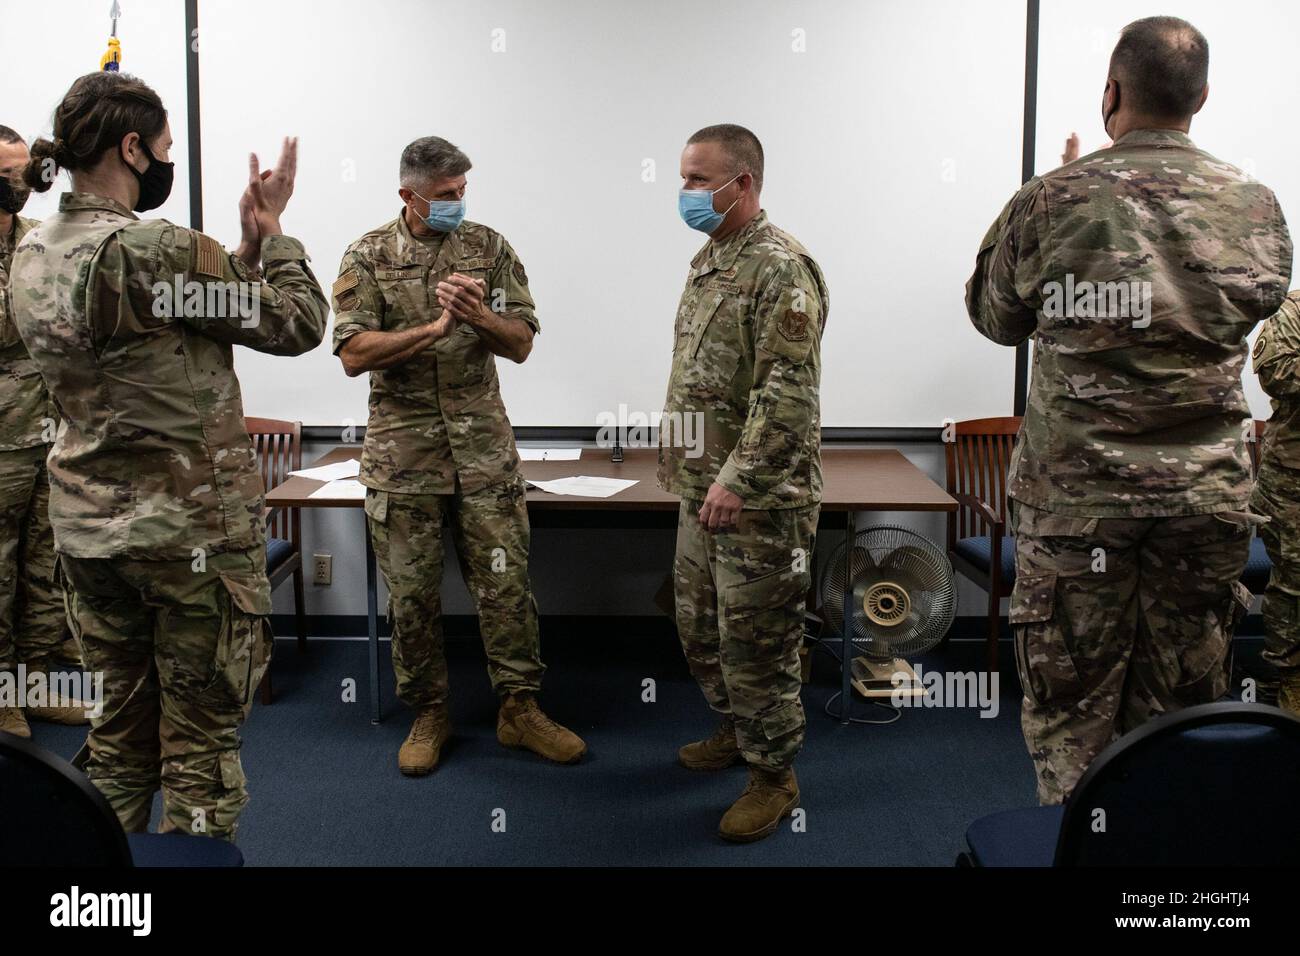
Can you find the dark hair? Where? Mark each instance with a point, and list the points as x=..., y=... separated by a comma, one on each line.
x=97, y=111
x=740, y=145
x=1162, y=64
x=8, y=135
x=430, y=158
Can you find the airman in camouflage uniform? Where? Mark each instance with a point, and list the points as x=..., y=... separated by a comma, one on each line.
x=1130, y=478
x=742, y=425
x=1277, y=496
x=439, y=453
x=156, y=495
x=33, y=620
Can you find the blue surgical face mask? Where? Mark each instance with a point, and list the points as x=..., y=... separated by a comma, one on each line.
x=696, y=207
x=444, y=214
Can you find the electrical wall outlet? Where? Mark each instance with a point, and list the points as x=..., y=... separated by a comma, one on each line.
x=322, y=565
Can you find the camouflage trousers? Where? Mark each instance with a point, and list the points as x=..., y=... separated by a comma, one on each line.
x=181, y=652
x=1116, y=621
x=33, y=619
x=740, y=599
x=490, y=530
x=1277, y=496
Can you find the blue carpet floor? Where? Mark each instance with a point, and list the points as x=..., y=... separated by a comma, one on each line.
x=325, y=789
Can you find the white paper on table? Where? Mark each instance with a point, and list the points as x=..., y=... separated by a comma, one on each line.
x=340, y=469
x=585, y=486
x=345, y=488
x=550, y=454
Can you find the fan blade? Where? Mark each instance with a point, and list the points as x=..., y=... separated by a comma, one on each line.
x=860, y=561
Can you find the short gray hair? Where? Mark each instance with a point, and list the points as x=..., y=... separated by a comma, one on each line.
x=430, y=158
x=742, y=147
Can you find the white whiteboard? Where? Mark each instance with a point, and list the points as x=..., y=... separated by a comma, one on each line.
x=891, y=143
x=1248, y=120
x=45, y=46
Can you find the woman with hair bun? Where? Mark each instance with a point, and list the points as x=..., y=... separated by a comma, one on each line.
x=156, y=498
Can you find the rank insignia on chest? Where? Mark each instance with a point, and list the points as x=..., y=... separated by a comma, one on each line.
x=793, y=326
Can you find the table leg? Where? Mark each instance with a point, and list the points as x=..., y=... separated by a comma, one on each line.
x=372, y=623
x=846, y=644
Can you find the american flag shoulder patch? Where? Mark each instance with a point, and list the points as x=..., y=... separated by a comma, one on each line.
x=209, y=257
x=346, y=281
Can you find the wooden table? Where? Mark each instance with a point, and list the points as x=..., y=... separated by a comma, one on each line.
x=854, y=479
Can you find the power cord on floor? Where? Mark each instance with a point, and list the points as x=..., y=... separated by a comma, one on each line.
x=895, y=713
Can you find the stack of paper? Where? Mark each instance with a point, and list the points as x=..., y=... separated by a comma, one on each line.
x=347, y=488
x=585, y=486
x=340, y=469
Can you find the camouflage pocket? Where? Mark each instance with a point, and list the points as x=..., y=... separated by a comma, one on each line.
x=1206, y=661
x=244, y=645
x=377, y=505
x=1033, y=599
x=785, y=720
x=1043, y=658
x=763, y=618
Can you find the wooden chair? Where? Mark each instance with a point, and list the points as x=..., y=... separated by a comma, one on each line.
x=279, y=451
x=979, y=546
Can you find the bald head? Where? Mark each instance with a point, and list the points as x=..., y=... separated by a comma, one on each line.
x=1161, y=65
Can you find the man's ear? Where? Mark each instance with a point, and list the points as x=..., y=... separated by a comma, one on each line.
x=1205, y=95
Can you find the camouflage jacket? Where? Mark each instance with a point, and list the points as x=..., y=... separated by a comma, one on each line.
x=743, y=407
x=26, y=414
x=1139, y=271
x=131, y=324
x=438, y=417
x=1277, y=363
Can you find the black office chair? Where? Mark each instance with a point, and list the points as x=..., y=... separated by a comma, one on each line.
x=1212, y=785
x=51, y=815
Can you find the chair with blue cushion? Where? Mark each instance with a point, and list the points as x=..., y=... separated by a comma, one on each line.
x=977, y=460
x=51, y=815
x=279, y=451
x=1212, y=785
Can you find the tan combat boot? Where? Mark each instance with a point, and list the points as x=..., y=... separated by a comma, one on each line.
x=70, y=711
x=423, y=745
x=1288, y=694
x=13, y=722
x=717, y=753
x=771, y=796
x=521, y=723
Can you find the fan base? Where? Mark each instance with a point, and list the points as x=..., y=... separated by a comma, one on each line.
x=874, y=680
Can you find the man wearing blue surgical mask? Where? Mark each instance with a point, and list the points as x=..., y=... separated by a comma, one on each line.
x=740, y=444
x=425, y=304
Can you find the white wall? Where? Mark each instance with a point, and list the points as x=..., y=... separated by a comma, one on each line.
x=1249, y=119
x=44, y=46
x=891, y=143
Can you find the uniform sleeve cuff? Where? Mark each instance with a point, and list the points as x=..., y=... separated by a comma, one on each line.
x=282, y=248
x=733, y=479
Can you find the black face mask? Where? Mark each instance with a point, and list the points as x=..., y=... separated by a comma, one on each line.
x=155, y=182
x=12, y=198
